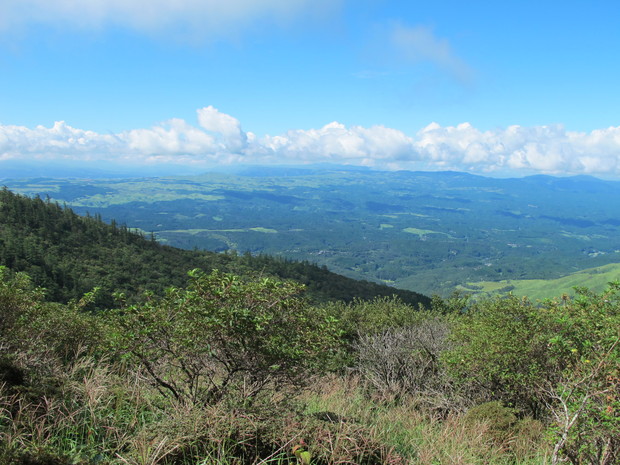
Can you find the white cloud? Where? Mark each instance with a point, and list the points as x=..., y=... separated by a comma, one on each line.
x=174, y=137
x=60, y=140
x=220, y=139
x=334, y=142
x=545, y=149
x=225, y=127
x=193, y=17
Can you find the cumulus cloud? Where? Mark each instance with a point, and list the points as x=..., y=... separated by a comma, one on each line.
x=174, y=137
x=226, y=128
x=544, y=149
x=60, y=140
x=336, y=143
x=419, y=43
x=218, y=138
x=197, y=17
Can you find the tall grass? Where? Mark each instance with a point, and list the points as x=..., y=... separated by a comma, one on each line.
x=86, y=414
x=423, y=438
x=97, y=414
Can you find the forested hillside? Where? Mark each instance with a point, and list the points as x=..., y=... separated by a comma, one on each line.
x=69, y=255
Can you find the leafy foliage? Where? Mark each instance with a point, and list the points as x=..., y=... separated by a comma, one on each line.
x=223, y=335
x=559, y=360
x=501, y=352
x=81, y=407
x=585, y=400
x=361, y=317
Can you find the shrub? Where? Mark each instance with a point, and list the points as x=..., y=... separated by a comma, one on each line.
x=585, y=397
x=18, y=297
x=372, y=316
x=38, y=335
x=223, y=335
x=406, y=361
x=500, y=352
x=558, y=361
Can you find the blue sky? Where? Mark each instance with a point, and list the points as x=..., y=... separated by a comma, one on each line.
x=505, y=88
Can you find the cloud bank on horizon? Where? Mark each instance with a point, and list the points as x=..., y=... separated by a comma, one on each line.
x=284, y=68
x=218, y=139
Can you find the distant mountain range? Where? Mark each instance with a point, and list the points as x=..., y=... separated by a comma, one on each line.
x=425, y=231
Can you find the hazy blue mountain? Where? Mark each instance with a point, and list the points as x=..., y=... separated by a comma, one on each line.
x=16, y=169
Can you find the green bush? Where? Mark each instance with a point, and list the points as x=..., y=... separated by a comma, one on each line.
x=500, y=352
x=222, y=335
x=18, y=297
x=372, y=316
x=558, y=361
x=43, y=333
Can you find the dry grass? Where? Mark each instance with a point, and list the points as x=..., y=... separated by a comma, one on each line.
x=92, y=414
x=421, y=438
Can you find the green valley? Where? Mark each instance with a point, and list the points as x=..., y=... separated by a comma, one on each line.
x=70, y=255
x=424, y=231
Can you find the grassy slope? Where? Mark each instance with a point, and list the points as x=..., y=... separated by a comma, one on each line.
x=595, y=279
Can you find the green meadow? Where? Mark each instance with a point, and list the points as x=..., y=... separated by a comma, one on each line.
x=595, y=279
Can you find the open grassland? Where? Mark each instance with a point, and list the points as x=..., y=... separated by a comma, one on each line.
x=420, y=232
x=595, y=279
x=193, y=232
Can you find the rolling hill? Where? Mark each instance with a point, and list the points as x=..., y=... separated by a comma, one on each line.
x=595, y=279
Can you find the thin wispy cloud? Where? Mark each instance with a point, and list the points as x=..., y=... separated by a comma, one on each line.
x=192, y=18
x=420, y=44
x=219, y=138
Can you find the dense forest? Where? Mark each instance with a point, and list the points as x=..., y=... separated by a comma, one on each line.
x=110, y=354
x=69, y=255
